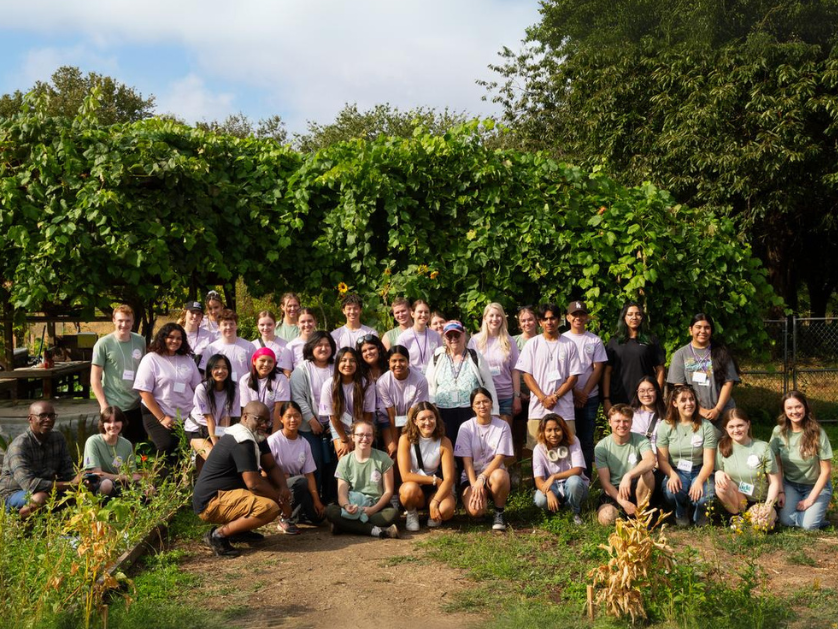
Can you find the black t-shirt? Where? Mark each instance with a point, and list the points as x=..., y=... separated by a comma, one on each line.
x=629, y=362
x=223, y=469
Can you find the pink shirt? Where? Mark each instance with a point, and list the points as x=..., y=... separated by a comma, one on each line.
x=500, y=365
x=550, y=363
x=292, y=455
x=542, y=466
x=402, y=394
x=238, y=353
x=172, y=381
x=590, y=350
x=420, y=346
x=279, y=346
x=281, y=391
x=483, y=443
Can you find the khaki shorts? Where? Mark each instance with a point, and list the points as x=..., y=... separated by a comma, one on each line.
x=532, y=431
x=238, y=503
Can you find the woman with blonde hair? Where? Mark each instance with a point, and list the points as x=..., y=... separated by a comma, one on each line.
x=427, y=467
x=501, y=353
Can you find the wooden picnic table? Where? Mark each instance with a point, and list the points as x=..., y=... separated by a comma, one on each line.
x=62, y=373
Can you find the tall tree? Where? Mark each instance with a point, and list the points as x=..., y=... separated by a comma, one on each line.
x=240, y=126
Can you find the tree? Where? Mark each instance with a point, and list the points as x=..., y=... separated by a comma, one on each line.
x=240, y=126
x=68, y=88
x=727, y=105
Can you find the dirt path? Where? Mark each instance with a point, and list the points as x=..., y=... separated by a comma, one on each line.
x=318, y=580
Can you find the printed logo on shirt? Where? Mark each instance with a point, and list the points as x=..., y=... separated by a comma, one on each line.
x=301, y=458
x=590, y=349
x=136, y=354
x=633, y=458
x=375, y=476
x=753, y=461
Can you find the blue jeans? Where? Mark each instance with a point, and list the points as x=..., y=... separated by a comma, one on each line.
x=681, y=500
x=815, y=516
x=585, y=427
x=571, y=490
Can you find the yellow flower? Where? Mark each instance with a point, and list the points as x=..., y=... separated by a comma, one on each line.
x=342, y=288
x=423, y=268
x=387, y=271
x=434, y=275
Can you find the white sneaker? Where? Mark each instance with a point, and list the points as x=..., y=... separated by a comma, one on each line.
x=432, y=524
x=412, y=523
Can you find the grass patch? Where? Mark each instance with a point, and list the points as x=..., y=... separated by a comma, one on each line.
x=800, y=558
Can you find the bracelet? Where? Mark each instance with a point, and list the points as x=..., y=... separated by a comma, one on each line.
x=344, y=506
x=479, y=476
x=606, y=398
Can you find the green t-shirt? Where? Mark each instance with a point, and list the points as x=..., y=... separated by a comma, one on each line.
x=750, y=464
x=110, y=459
x=684, y=444
x=287, y=332
x=393, y=335
x=620, y=459
x=119, y=362
x=366, y=477
x=795, y=468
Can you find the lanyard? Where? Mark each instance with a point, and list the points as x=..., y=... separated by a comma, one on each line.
x=422, y=352
x=704, y=361
x=122, y=351
x=456, y=372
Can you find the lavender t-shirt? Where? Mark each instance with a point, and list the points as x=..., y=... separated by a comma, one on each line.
x=295, y=348
x=401, y=395
x=238, y=353
x=483, y=443
x=344, y=337
x=550, y=363
x=201, y=408
x=172, y=381
x=280, y=391
x=279, y=347
x=542, y=466
x=500, y=364
x=327, y=408
x=420, y=346
x=590, y=350
x=292, y=455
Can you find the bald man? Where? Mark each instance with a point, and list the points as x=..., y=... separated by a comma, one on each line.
x=37, y=462
x=231, y=492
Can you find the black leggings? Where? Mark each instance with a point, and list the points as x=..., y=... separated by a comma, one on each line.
x=165, y=441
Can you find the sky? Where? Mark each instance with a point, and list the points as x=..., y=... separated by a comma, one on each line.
x=303, y=60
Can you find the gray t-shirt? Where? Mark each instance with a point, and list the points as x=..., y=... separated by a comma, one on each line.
x=119, y=362
x=693, y=366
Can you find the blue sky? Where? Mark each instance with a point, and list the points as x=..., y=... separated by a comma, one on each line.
x=205, y=59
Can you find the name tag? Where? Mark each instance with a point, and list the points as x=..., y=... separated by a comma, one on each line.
x=235, y=377
x=699, y=377
x=494, y=370
x=346, y=418
x=746, y=488
x=180, y=387
x=455, y=397
x=554, y=375
x=128, y=374
x=401, y=420
x=685, y=465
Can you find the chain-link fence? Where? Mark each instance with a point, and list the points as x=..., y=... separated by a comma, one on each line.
x=803, y=355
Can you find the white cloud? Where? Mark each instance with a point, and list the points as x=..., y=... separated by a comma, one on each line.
x=40, y=63
x=189, y=98
x=310, y=57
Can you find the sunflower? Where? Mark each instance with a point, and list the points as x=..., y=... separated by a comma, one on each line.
x=342, y=288
x=423, y=268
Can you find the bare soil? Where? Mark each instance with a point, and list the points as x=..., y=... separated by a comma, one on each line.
x=318, y=580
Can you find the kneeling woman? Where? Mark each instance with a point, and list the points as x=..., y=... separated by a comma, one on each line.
x=215, y=404
x=484, y=442
x=426, y=466
x=747, y=477
x=109, y=455
x=558, y=466
x=365, y=486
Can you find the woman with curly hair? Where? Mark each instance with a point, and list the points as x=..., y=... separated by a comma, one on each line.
x=558, y=468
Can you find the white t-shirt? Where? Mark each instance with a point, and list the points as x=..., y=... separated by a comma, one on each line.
x=500, y=364
x=280, y=391
x=238, y=353
x=295, y=348
x=292, y=455
x=327, y=408
x=201, y=408
x=641, y=424
x=420, y=346
x=279, y=347
x=172, y=381
x=431, y=456
x=543, y=466
x=344, y=337
x=550, y=363
x=483, y=443
x=590, y=350
x=401, y=395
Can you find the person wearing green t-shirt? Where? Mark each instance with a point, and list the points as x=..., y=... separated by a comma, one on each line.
x=625, y=463
x=747, y=476
x=109, y=455
x=365, y=486
x=401, y=313
x=686, y=446
x=805, y=456
x=290, y=307
x=116, y=359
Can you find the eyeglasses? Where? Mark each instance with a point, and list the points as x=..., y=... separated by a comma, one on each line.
x=43, y=416
x=453, y=336
x=260, y=419
x=362, y=436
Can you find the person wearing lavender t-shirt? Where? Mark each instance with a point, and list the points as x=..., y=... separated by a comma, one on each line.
x=484, y=442
x=234, y=348
x=558, y=468
x=266, y=323
x=346, y=398
x=501, y=353
x=401, y=388
x=551, y=367
x=266, y=384
x=166, y=380
x=348, y=335
x=420, y=340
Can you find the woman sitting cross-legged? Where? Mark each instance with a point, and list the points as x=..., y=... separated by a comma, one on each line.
x=365, y=486
x=558, y=467
x=484, y=442
x=426, y=466
x=109, y=455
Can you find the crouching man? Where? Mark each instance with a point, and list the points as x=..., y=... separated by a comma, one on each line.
x=231, y=492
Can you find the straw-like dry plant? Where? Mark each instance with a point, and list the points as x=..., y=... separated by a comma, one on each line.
x=639, y=564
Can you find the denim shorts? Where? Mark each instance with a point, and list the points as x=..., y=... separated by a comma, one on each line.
x=505, y=406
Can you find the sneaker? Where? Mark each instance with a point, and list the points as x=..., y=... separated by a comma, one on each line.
x=577, y=520
x=247, y=537
x=287, y=527
x=682, y=521
x=412, y=523
x=432, y=524
x=498, y=523
x=391, y=531
x=220, y=545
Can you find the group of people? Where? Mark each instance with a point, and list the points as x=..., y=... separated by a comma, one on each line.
x=302, y=425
